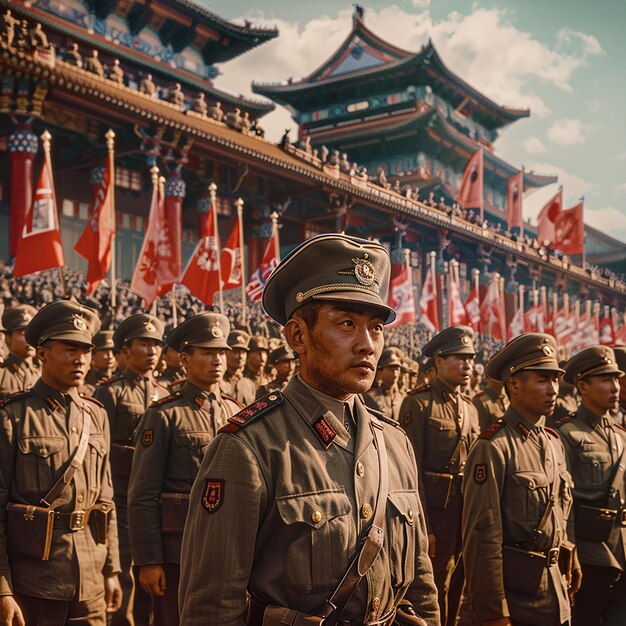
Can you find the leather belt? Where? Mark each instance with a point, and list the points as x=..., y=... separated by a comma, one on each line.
x=74, y=520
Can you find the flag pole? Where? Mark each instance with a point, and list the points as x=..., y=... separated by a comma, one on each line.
x=110, y=138
x=274, y=217
x=174, y=308
x=448, y=269
x=244, y=303
x=213, y=195
x=407, y=265
x=433, y=263
x=46, y=138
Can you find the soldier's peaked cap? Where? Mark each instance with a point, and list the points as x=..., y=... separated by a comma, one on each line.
x=530, y=351
x=592, y=361
x=282, y=353
x=103, y=341
x=620, y=357
x=138, y=326
x=453, y=340
x=206, y=330
x=333, y=268
x=239, y=339
x=63, y=320
x=17, y=317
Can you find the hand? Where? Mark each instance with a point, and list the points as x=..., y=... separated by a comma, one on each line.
x=500, y=621
x=152, y=579
x=575, y=583
x=10, y=612
x=432, y=545
x=112, y=593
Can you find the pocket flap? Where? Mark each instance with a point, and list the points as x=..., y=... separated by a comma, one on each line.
x=42, y=446
x=531, y=480
x=405, y=502
x=441, y=423
x=97, y=445
x=193, y=440
x=313, y=509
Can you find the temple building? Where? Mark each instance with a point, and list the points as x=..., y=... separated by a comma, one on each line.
x=384, y=136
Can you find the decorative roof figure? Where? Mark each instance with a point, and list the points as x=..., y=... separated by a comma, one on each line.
x=216, y=112
x=38, y=39
x=234, y=119
x=7, y=27
x=73, y=56
x=147, y=85
x=176, y=95
x=116, y=73
x=92, y=64
x=245, y=123
x=199, y=105
x=22, y=40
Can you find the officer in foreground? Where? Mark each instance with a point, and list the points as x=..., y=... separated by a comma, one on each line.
x=171, y=439
x=442, y=424
x=295, y=483
x=17, y=373
x=58, y=538
x=517, y=498
x=596, y=457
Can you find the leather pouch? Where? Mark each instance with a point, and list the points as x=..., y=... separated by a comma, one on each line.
x=29, y=531
x=99, y=522
x=174, y=508
x=593, y=523
x=438, y=489
x=522, y=570
x=282, y=616
x=121, y=458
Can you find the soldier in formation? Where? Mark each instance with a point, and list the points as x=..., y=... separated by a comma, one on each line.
x=283, y=362
x=385, y=395
x=102, y=361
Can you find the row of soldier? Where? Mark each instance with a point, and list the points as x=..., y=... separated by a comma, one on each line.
x=265, y=508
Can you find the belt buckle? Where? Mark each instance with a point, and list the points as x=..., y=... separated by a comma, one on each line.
x=77, y=520
x=553, y=556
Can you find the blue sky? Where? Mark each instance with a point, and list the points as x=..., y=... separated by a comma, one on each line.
x=563, y=59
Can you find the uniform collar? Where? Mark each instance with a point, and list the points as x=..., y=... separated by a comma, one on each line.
x=54, y=399
x=592, y=419
x=521, y=424
x=445, y=391
x=197, y=397
x=133, y=377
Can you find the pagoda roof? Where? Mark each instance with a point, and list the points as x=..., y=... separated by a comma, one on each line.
x=255, y=106
x=380, y=61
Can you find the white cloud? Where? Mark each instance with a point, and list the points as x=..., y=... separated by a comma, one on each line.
x=533, y=145
x=420, y=4
x=507, y=64
x=567, y=132
x=622, y=187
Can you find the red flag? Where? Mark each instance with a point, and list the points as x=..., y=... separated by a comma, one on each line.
x=547, y=218
x=534, y=318
x=569, y=231
x=517, y=325
x=492, y=313
x=620, y=335
x=471, y=191
x=254, y=288
x=157, y=263
x=95, y=243
x=564, y=328
x=472, y=308
x=607, y=332
x=401, y=296
x=202, y=275
x=456, y=310
x=232, y=268
x=429, y=315
x=515, y=188
x=39, y=246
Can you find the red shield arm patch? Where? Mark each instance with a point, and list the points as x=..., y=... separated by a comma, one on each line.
x=147, y=437
x=213, y=494
x=480, y=473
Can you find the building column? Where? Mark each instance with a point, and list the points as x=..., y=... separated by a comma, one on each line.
x=174, y=195
x=23, y=146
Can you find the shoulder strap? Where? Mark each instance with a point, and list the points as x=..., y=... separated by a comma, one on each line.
x=455, y=462
x=71, y=467
x=373, y=543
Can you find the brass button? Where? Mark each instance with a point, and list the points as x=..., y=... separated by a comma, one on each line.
x=366, y=511
x=316, y=517
x=42, y=451
x=360, y=469
x=375, y=603
x=80, y=498
x=74, y=429
x=410, y=516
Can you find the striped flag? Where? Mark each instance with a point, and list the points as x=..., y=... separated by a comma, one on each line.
x=270, y=260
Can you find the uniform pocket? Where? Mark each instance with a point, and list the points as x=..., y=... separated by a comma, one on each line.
x=94, y=460
x=443, y=431
x=38, y=468
x=191, y=448
x=595, y=466
x=403, y=524
x=531, y=494
x=322, y=531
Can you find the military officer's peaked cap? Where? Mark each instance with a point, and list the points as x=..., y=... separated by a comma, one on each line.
x=391, y=357
x=103, y=341
x=282, y=353
x=206, y=330
x=333, y=268
x=238, y=339
x=63, y=320
x=530, y=351
x=17, y=317
x=453, y=340
x=258, y=343
x=138, y=326
x=620, y=357
x=592, y=361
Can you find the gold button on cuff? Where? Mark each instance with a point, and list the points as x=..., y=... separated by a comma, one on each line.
x=79, y=498
x=316, y=517
x=366, y=511
x=360, y=469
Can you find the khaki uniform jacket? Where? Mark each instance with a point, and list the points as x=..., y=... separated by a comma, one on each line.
x=16, y=375
x=592, y=459
x=507, y=486
x=38, y=435
x=387, y=401
x=566, y=404
x=433, y=418
x=279, y=507
x=171, y=440
x=92, y=380
x=490, y=406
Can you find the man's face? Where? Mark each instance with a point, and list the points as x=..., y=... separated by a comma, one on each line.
x=622, y=391
x=338, y=355
x=142, y=355
x=16, y=343
x=534, y=393
x=257, y=360
x=64, y=364
x=285, y=369
x=236, y=359
x=390, y=376
x=204, y=366
x=600, y=393
x=103, y=360
x=171, y=358
x=455, y=369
